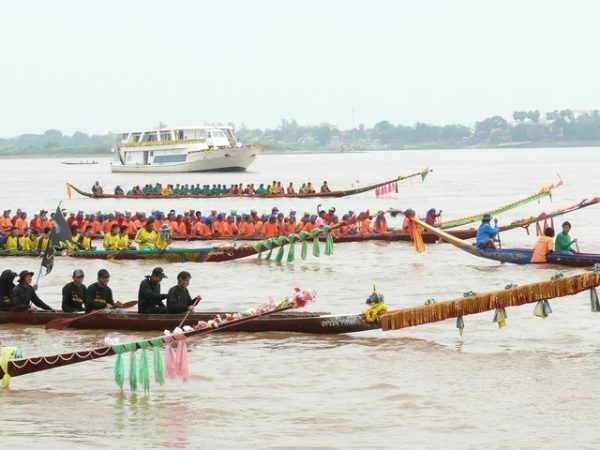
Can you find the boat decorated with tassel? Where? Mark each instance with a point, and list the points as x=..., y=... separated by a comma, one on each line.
x=338, y=193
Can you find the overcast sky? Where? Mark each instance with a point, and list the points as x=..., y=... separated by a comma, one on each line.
x=112, y=65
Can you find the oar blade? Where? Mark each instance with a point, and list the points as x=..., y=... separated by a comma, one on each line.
x=58, y=324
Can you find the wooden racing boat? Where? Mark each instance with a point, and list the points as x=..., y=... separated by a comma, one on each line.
x=514, y=255
x=293, y=321
x=341, y=193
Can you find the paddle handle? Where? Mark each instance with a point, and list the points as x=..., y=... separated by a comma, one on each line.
x=188, y=313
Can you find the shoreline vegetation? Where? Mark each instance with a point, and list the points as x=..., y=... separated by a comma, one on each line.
x=526, y=129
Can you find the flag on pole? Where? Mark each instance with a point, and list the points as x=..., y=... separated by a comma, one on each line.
x=60, y=233
x=388, y=188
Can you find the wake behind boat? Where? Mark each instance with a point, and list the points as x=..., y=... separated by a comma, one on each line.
x=182, y=149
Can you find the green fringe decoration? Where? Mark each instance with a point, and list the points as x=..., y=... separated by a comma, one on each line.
x=316, y=244
x=292, y=238
x=328, y=242
x=304, y=249
x=259, y=248
x=269, y=246
x=280, y=241
x=594, y=300
x=132, y=366
x=500, y=317
x=460, y=324
x=144, y=371
x=159, y=367
x=542, y=309
x=119, y=370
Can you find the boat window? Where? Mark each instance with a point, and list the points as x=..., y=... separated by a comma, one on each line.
x=165, y=135
x=161, y=159
x=136, y=137
x=149, y=136
x=179, y=134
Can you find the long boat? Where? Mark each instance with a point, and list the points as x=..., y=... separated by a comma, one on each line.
x=342, y=193
x=293, y=321
x=514, y=255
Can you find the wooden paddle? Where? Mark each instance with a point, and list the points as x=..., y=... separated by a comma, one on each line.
x=60, y=324
x=198, y=298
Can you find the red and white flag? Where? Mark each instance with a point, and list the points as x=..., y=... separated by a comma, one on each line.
x=389, y=188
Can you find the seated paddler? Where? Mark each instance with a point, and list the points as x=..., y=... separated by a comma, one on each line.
x=150, y=300
x=163, y=240
x=486, y=233
x=23, y=296
x=98, y=295
x=7, y=285
x=178, y=298
x=74, y=293
x=563, y=241
x=543, y=246
x=146, y=236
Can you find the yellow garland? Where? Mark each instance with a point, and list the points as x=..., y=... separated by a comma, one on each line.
x=489, y=301
x=373, y=312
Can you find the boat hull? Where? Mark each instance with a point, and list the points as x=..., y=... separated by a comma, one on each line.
x=291, y=322
x=222, y=159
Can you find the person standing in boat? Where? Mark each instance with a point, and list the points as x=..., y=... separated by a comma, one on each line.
x=98, y=295
x=178, y=298
x=150, y=300
x=24, y=296
x=74, y=293
x=486, y=233
x=543, y=246
x=563, y=241
x=7, y=286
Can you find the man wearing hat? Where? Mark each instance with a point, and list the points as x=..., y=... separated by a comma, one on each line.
x=73, y=293
x=98, y=295
x=486, y=233
x=7, y=285
x=23, y=295
x=163, y=240
x=149, y=296
x=178, y=299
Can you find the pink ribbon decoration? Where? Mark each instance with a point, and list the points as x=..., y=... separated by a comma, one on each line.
x=170, y=365
x=181, y=358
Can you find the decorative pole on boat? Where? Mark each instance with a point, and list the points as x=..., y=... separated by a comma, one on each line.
x=60, y=232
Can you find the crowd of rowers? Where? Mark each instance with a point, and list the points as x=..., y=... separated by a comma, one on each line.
x=487, y=236
x=76, y=297
x=275, y=188
x=121, y=230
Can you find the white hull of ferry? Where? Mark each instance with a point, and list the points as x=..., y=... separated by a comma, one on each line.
x=220, y=159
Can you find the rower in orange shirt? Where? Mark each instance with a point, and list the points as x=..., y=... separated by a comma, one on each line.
x=217, y=225
x=271, y=228
x=380, y=224
x=247, y=227
x=543, y=246
x=289, y=227
x=201, y=228
x=6, y=222
x=258, y=226
x=21, y=223
x=365, y=224
x=311, y=225
x=229, y=227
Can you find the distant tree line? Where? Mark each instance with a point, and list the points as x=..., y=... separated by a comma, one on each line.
x=53, y=141
x=527, y=128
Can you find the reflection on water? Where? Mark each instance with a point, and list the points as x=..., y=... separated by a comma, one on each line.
x=530, y=385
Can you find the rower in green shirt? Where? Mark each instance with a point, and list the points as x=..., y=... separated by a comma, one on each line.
x=563, y=240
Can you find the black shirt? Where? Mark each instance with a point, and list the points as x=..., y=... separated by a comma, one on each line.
x=178, y=300
x=24, y=295
x=97, y=297
x=149, y=296
x=73, y=298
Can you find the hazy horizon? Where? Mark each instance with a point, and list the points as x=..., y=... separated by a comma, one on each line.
x=77, y=66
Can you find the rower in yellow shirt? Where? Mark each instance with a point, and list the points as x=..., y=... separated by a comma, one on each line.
x=25, y=240
x=164, y=237
x=111, y=240
x=12, y=241
x=123, y=241
x=146, y=237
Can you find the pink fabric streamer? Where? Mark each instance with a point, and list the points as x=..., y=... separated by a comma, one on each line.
x=170, y=363
x=386, y=189
x=181, y=359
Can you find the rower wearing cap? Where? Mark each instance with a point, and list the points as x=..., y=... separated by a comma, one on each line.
x=7, y=286
x=98, y=295
x=73, y=293
x=150, y=300
x=163, y=240
x=179, y=299
x=380, y=224
x=486, y=233
x=23, y=295
x=146, y=237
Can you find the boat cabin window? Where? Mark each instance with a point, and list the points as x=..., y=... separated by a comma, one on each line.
x=215, y=134
x=165, y=135
x=135, y=137
x=179, y=135
x=149, y=136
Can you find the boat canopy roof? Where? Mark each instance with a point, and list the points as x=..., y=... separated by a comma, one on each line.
x=154, y=130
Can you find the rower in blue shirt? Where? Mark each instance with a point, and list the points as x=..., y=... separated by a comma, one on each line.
x=486, y=233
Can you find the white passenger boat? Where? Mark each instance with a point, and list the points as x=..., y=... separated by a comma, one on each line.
x=184, y=149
